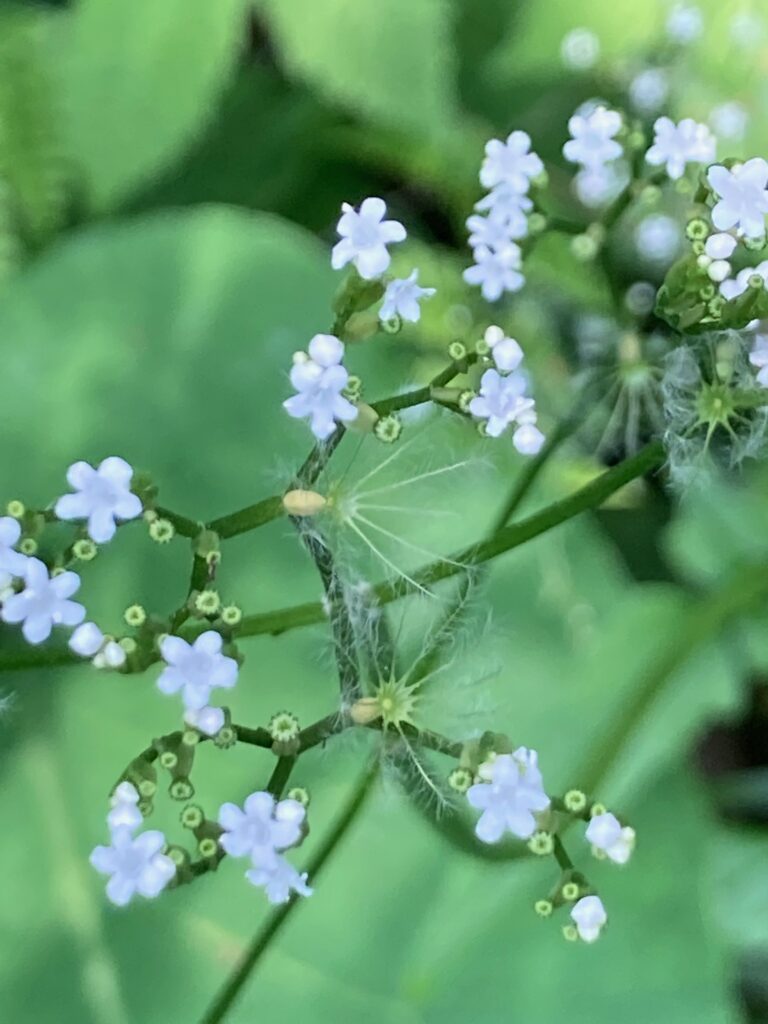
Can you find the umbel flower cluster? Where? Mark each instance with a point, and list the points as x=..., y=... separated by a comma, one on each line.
x=683, y=378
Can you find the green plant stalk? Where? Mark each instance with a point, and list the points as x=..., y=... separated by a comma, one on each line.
x=234, y=984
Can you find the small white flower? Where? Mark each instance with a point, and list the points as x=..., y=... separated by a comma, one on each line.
x=496, y=230
x=506, y=352
x=580, y=49
x=261, y=829
x=758, y=357
x=605, y=833
x=592, y=142
x=676, y=145
x=125, y=811
x=511, y=163
x=365, y=236
x=208, y=720
x=501, y=401
x=44, y=602
x=86, y=640
x=648, y=90
x=719, y=271
x=279, y=880
x=137, y=865
x=658, y=238
x=720, y=246
x=102, y=496
x=196, y=669
x=743, y=197
x=729, y=121
x=111, y=655
x=735, y=286
x=12, y=563
x=402, y=297
x=528, y=439
x=496, y=272
x=589, y=917
x=319, y=380
x=508, y=799
x=684, y=24
x=598, y=186
x=508, y=206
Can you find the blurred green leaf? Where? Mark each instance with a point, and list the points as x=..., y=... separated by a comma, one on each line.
x=390, y=61
x=140, y=79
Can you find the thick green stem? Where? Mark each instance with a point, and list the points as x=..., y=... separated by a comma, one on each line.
x=234, y=984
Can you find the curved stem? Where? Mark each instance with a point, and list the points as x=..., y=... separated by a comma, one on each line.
x=231, y=989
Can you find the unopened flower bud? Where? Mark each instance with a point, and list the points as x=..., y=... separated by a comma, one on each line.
x=541, y=843
x=575, y=801
x=225, y=737
x=162, y=531
x=460, y=779
x=192, y=816
x=697, y=229
x=299, y=502
x=570, y=891
x=207, y=846
x=84, y=550
x=16, y=509
x=388, y=429
x=147, y=788
x=28, y=546
x=457, y=350
x=135, y=615
x=392, y=326
x=181, y=789
x=543, y=908
x=365, y=710
x=299, y=794
x=207, y=602
x=231, y=615
x=284, y=727
x=570, y=933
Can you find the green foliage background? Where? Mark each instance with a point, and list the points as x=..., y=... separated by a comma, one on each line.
x=172, y=173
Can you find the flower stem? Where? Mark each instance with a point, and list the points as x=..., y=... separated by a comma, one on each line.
x=231, y=989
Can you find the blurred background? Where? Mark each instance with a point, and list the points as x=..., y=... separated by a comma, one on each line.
x=171, y=172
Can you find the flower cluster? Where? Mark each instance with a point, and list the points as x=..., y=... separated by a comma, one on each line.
x=320, y=379
x=509, y=792
x=262, y=830
x=136, y=864
x=501, y=222
x=194, y=670
x=594, y=147
x=502, y=399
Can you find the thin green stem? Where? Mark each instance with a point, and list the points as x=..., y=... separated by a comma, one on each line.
x=234, y=984
x=184, y=527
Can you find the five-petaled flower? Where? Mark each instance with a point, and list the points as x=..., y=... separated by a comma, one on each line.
x=592, y=141
x=510, y=163
x=135, y=864
x=743, y=197
x=44, y=602
x=402, y=298
x=261, y=828
x=675, y=145
x=365, y=236
x=496, y=271
x=510, y=796
x=589, y=917
x=319, y=379
x=103, y=496
x=196, y=669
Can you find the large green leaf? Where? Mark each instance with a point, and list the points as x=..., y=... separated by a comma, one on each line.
x=390, y=61
x=139, y=80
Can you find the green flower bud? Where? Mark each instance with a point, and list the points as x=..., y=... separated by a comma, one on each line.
x=181, y=789
x=225, y=737
x=541, y=843
x=207, y=602
x=465, y=398
x=392, y=326
x=178, y=855
x=190, y=737
x=146, y=807
x=457, y=350
x=135, y=615
x=354, y=388
x=537, y=223
x=697, y=229
x=147, y=788
x=84, y=550
x=575, y=801
x=596, y=809
x=570, y=891
x=162, y=531
x=482, y=347
x=192, y=816
x=388, y=429
x=300, y=794
x=543, y=908
x=698, y=248
x=207, y=847
x=168, y=759
x=284, y=727
x=570, y=932
x=15, y=508
x=231, y=615
x=460, y=779
x=754, y=244
x=584, y=247
x=28, y=546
